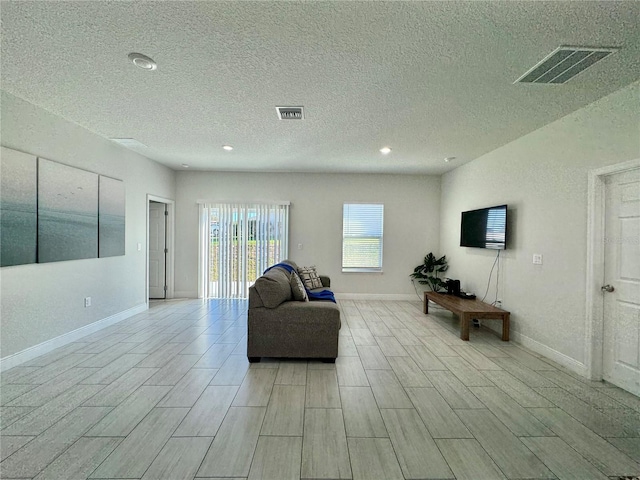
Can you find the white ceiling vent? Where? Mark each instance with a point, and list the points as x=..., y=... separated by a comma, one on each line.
x=129, y=142
x=290, y=113
x=564, y=63
x=132, y=144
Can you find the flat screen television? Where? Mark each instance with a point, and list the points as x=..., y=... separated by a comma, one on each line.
x=484, y=228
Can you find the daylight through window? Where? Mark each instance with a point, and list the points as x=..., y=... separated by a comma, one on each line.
x=238, y=243
x=362, y=227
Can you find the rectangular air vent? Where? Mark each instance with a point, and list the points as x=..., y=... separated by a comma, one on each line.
x=290, y=113
x=564, y=63
x=131, y=143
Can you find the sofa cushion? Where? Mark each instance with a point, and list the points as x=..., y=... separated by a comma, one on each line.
x=254, y=298
x=310, y=277
x=274, y=287
x=297, y=288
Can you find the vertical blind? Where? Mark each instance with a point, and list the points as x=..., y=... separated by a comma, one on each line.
x=237, y=243
x=362, y=231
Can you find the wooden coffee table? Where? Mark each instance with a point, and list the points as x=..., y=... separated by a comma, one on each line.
x=467, y=310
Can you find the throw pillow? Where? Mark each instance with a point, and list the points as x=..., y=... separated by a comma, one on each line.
x=310, y=277
x=297, y=288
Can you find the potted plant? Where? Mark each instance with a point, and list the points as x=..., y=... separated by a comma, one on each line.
x=427, y=272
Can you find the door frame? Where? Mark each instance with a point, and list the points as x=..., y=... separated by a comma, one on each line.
x=595, y=264
x=170, y=242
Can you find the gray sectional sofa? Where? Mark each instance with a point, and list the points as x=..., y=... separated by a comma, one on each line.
x=280, y=326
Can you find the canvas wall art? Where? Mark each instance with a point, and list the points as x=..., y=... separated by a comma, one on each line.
x=18, y=208
x=111, y=217
x=67, y=212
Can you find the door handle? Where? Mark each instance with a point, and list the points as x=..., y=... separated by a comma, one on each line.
x=607, y=288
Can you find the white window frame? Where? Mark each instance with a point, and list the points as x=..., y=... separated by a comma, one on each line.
x=362, y=269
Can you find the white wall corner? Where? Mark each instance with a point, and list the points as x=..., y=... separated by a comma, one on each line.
x=62, y=340
x=558, y=357
x=595, y=273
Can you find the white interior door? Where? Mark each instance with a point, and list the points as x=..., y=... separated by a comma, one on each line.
x=621, y=349
x=157, y=250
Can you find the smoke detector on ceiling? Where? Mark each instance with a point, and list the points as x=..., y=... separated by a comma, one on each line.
x=290, y=113
x=564, y=63
x=142, y=61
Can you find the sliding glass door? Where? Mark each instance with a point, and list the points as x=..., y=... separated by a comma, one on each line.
x=238, y=242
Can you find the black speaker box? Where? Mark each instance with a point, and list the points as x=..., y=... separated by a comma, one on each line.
x=453, y=287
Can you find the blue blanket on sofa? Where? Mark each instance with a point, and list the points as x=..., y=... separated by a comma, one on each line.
x=321, y=295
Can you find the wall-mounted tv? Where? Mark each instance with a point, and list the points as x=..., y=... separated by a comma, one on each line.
x=484, y=228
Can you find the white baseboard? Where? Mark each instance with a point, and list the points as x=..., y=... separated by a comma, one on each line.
x=30, y=353
x=398, y=297
x=185, y=294
x=558, y=357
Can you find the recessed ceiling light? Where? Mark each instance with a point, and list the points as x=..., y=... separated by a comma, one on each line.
x=142, y=61
x=228, y=148
x=185, y=165
x=449, y=159
x=385, y=150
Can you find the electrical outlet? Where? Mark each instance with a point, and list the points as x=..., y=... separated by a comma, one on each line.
x=499, y=303
x=87, y=301
x=300, y=246
x=537, y=259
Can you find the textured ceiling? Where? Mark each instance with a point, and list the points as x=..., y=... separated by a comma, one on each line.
x=429, y=79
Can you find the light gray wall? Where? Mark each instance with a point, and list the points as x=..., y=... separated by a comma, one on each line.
x=410, y=221
x=543, y=178
x=42, y=301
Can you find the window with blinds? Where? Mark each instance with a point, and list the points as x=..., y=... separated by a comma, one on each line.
x=237, y=243
x=362, y=228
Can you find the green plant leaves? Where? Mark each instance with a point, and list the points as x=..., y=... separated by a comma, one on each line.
x=427, y=272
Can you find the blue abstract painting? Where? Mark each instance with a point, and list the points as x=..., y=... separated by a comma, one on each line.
x=18, y=208
x=111, y=217
x=67, y=212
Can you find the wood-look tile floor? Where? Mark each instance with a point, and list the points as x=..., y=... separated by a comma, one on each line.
x=169, y=394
